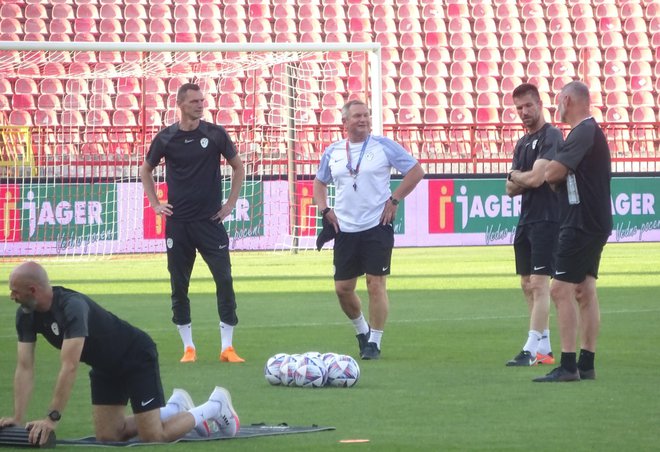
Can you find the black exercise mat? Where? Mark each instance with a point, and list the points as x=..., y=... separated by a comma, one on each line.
x=246, y=431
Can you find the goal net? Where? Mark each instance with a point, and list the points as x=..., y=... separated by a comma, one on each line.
x=77, y=119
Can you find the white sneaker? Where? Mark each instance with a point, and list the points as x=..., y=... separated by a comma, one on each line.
x=182, y=399
x=226, y=420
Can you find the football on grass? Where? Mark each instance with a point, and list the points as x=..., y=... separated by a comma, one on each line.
x=272, y=368
x=343, y=371
x=310, y=373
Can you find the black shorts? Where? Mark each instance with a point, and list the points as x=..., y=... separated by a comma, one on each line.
x=357, y=253
x=534, y=245
x=137, y=380
x=578, y=255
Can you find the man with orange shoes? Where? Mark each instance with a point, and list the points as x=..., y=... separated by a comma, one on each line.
x=537, y=228
x=192, y=149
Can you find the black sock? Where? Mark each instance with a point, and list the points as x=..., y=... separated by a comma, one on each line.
x=586, y=361
x=568, y=361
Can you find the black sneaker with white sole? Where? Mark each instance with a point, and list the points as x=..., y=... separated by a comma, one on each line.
x=363, y=339
x=524, y=359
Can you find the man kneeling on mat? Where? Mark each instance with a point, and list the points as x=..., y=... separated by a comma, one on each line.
x=124, y=363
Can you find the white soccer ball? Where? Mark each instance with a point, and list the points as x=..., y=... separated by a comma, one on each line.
x=310, y=373
x=288, y=369
x=272, y=368
x=343, y=371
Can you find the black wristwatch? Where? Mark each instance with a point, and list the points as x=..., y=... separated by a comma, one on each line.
x=394, y=201
x=325, y=211
x=54, y=415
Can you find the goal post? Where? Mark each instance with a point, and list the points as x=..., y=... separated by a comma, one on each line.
x=88, y=111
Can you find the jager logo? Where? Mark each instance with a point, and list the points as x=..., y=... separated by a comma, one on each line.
x=204, y=142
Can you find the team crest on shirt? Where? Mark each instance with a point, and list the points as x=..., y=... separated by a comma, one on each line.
x=369, y=156
x=204, y=142
x=534, y=143
x=170, y=243
x=55, y=329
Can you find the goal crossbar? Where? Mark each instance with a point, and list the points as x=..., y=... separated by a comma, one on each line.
x=373, y=49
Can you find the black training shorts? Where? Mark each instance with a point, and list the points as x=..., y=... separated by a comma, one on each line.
x=534, y=245
x=578, y=255
x=357, y=253
x=137, y=380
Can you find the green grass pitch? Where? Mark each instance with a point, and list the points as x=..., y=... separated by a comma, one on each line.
x=456, y=316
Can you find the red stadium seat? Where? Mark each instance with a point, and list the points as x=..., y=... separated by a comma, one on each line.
x=644, y=114
x=435, y=115
x=637, y=39
x=26, y=86
x=77, y=86
x=74, y=102
x=536, y=39
x=23, y=102
x=435, y=69
x=484, y=25
x=461, y=69
x=486, y=84
x=482, y=10
x=46, y=118
x=72, y=118
x=409, y=115
x=435, y=84
x=160, y=11
x=488, y=99
x=100, y=102
x=511, y=39
x=641, y=54
x=461, y=85
x=20, y=118
x=461, y=99
x=617, y=99
x=436, y=99
x=513, y=69
x=135, y=11
x=49, y=102
x=461, y=116
x=487, y=115
x=617, y=114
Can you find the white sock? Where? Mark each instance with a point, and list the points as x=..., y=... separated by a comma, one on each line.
x=226, y=336
x=544, y=346
x=376, y=336
x=532, y=344
x=185, y=331
x=169, y=410
x=205, y=412
x=361, y=325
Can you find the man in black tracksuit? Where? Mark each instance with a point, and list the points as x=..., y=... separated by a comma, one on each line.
x=192, y=149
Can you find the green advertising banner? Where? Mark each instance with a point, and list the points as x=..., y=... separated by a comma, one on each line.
x=399, y=224
x=70, y=214
x=634, y=209
x=247, y=219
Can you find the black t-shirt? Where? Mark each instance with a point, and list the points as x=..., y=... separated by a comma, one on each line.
x=587, y=154
x=72, y=315
x=192, y=162
x=537, y=204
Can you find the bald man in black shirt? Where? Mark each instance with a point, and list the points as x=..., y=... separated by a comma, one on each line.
x=581, y=173
x=192, y=149
x=124, y=366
